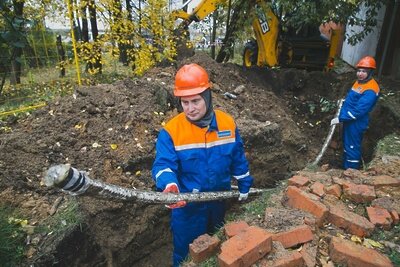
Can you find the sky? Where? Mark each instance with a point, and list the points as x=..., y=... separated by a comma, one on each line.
x=63, y=23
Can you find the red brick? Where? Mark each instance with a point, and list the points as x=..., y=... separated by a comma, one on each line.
x=203, y=248
x=301, y=200
x=338, y=180
x=318, y=189
x=360, y=193
x=334, y=190
x=380, y=217
x=309, y=254
x=279, y=256
x=383, y=180
x=395, y=216
x=233, y=228
x=245, y=248
x=351, y=222
x=347, y=253
x=386, y=202
x=299, y=181
x=299, y=235
x=353, y=174
x=342, y=182
x=293, y=259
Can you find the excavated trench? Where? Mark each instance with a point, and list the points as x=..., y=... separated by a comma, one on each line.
x=270, y=160
x=109, y=131
x=151, y=243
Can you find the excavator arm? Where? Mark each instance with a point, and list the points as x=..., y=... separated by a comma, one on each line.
x=202, y=10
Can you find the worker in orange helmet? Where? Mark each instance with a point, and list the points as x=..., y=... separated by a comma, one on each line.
x=359, y=101
x=199, y=150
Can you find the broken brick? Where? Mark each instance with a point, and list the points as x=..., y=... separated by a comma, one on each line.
x=309, y=254
x=385, y=202
x=380, y=217
x=351, y=222
x=233, y=228
x=334, y=190
x=318, y=189
x=301, y=200
x=395, y=216
x=292, y=259
x=383, y=180
x=299, y=181
x=299, y=235
x=203, y=248
x=360, y=193
x=347, y=253
x=245, y=248
x=353, y=173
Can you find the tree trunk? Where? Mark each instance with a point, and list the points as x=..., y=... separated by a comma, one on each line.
x=77, y=24
x=3, y=71
x=85, y=25
x=242, y=7
x=117, y=19
x=95, y=34
x=16, y=67
x=214, y=33
x=61, y=55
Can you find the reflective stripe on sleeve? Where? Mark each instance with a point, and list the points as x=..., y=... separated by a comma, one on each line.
x=353, y=161
x=238, y=177
x=351, y=115
x=162, y=171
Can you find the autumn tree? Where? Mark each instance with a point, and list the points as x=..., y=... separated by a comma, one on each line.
x=299, y=14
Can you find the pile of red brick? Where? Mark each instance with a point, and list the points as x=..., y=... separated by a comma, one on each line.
x=329, y=197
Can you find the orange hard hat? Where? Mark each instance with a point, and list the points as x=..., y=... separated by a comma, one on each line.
x=191, y=79
x=367, y=62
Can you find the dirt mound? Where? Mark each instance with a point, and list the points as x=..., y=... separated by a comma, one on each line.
x=110, y=132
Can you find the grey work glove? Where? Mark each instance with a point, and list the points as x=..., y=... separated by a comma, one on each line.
x=334, y=121
x=243, y=196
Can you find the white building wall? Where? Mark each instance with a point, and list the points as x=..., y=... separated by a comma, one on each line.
x=367, y=47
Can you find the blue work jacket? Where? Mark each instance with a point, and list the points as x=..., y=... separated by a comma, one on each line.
x=360, y=100
x=201, y=159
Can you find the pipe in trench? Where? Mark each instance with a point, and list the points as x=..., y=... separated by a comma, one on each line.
x=75, y=182
x=329, y=137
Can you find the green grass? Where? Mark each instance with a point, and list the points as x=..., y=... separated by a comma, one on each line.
x=389, y=145
x=44, y=84
x=65, y=219
x=11, y=239
x=391, y=236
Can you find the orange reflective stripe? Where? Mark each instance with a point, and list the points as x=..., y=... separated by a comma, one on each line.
x=187, y=135
x=362, y=87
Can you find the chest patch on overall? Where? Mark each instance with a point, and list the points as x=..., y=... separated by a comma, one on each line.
x=226, y=133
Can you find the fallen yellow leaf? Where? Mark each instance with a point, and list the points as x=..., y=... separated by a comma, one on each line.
x=372, y=243
x=113, y=146
x=356, y=239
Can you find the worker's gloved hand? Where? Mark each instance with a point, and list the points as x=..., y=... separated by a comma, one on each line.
x=334, y=121
x=243, y=196
x=173, y=188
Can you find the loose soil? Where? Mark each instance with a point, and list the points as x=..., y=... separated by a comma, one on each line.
x=110, y=132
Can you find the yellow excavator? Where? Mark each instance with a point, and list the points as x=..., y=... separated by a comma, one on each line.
x=272, y=48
